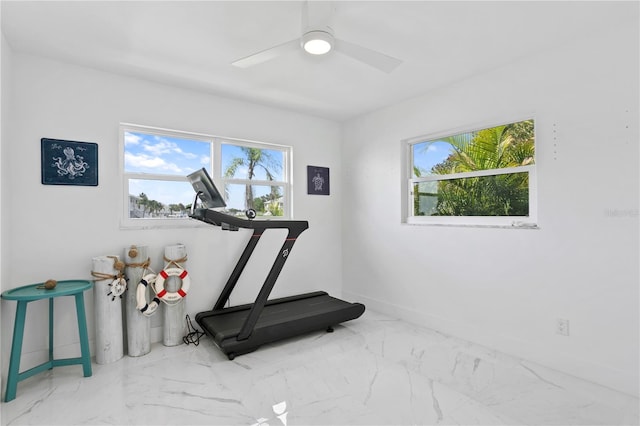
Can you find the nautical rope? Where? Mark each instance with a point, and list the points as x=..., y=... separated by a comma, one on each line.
x=144, y=264
x=118, y=279
x=175, y=262
x=117, y=265
x=103, y=276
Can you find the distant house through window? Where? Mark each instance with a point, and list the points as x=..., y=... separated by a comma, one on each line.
x=476, y=177
x=251, y=175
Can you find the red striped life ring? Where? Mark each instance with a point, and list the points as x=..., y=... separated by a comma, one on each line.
x=162, y=293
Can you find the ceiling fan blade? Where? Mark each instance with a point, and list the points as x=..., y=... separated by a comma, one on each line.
x=384, y=63
x=268, y=54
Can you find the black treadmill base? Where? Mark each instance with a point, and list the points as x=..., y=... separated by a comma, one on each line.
x=281, y=318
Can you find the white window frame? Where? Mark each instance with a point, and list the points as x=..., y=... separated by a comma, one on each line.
x=215, y=169
x=286, y=172
x=408, y=181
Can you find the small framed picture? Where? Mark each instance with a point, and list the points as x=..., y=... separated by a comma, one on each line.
x=69, y=163
x=317, y=180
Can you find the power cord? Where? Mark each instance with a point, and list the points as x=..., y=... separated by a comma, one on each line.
x=193, y=335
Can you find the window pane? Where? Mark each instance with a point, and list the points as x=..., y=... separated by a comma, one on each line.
x=499, y=147
x=499, y=195
x=240, y=162
x=426, y=155
x=159, y=154
x=266, y=200
x=159, y=199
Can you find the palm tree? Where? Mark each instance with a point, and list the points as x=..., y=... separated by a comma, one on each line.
x=176, y=208
x=155, y=206
x=253, y=159
x=494, y=148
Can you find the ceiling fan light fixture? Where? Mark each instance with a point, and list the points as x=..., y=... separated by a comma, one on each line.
x=317, y=42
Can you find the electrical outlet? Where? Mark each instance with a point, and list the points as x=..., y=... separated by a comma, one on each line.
x=562, y=326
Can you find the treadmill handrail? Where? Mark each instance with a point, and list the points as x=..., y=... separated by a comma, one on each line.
x=237, y=270
x=267, y=286
x=217, y=218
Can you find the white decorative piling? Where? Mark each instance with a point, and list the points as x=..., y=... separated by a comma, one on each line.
x=108, y=287
x=138, y=325
x=174, y=324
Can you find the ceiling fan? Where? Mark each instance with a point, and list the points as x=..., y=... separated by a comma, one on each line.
x=317, y=39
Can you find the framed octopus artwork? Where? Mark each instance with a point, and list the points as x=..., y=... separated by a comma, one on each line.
x=69, y=163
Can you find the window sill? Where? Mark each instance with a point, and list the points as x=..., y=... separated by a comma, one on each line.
x=462, y=224
x=156, y=224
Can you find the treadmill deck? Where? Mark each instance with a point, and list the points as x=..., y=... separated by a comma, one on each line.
x=281, y=318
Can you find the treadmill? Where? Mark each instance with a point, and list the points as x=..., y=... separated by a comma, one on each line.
x=244, y=328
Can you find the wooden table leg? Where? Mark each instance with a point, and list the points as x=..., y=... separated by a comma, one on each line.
x=84, y=336
x=16, y=351
x=51, y=331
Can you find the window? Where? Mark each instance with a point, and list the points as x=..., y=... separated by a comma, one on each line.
x=254, y=179
x=157, y=161
x=477, y=177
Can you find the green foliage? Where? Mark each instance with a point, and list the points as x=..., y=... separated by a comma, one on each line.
x=258, y=204
x=154, y=207
x=177, y=207
x=253, y=158
x=498, y=195
x=269, y=204
x=151, y=206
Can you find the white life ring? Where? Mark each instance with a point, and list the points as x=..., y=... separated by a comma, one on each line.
x=118, y=287
x=147, y=309
x=166, y=296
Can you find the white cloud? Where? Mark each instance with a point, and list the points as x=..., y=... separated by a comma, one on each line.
x=187, y=155
x=143, y=161
x=162, y=146
x=132, y=139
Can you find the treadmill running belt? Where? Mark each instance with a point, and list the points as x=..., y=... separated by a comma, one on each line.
x=281, y=318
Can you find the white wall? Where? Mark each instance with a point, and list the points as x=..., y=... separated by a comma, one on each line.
x=5, y=96
x=4, y=103
x=513, y=284
x=56, y=230
x=504, y=288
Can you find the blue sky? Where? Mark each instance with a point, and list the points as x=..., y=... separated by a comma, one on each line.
x=428, y=154
x=164, y=155
x=155, y=154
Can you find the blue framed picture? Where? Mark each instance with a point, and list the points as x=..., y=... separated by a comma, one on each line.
x=317, y=180
x=69, y=163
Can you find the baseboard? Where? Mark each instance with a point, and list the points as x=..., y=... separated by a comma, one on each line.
x=619, y=380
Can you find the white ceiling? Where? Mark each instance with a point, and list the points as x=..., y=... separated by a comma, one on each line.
x=192, y=44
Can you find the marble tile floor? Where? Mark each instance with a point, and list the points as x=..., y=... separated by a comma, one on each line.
x=372, y=371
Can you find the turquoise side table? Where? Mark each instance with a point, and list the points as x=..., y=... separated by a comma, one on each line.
x=29, y=293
